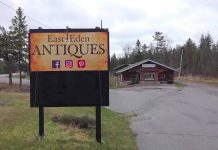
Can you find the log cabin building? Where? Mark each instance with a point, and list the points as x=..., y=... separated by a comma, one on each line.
x=146, y=71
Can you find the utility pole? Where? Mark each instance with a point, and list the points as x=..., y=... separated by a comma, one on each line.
x=180, y=68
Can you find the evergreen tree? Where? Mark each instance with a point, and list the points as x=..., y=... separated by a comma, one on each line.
x=214, y=60
x=205, y=53
x=7, y=53
x=137, y=54
x=160, y=49
x=189, y=57
x=144, y=51
x=19, y=33
x=113, y=61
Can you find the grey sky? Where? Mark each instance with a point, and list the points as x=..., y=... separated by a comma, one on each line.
x=127, y=20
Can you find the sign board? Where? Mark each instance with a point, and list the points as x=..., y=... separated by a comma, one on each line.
x=69, y=51
x=148, y=65
x=69, y=67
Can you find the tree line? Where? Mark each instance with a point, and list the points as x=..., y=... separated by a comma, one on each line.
x=198, y=59
x=14, y=46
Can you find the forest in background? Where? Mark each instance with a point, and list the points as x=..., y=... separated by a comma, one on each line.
x=198, y=59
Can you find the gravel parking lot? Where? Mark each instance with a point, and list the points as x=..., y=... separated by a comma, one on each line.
x=171, y=118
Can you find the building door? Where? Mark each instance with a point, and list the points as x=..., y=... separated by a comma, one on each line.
x=162, y=76
x=135, y=77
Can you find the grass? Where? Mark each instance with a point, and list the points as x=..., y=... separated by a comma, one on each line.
x=19, y=127
x=207, y=80
x=179, y=84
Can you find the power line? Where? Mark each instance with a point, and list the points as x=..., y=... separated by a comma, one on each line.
x=26, y=15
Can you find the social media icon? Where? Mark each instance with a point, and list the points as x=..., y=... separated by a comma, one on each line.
x=81, y=63
x=68, y=63
x=56, y=64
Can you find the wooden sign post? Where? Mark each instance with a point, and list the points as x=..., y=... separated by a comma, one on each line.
x=69, y=67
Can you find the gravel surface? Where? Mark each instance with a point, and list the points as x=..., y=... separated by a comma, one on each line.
x=171, y=118
x=4, y=79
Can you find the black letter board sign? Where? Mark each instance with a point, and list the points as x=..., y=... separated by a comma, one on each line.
x=69, y=67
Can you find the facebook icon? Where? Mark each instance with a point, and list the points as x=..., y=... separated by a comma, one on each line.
x=56, y=64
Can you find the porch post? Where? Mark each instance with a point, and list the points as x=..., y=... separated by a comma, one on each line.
x=121, y=77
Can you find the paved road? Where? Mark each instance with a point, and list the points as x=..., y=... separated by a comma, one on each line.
x=4, y=79
x=171, y=118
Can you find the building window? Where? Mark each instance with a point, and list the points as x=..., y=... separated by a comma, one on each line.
x=150, y=76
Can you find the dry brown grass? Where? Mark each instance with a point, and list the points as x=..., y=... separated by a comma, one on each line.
x=114, y=83
x=13, y=88
x=208, y=80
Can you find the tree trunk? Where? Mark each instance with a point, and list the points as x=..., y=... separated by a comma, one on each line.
x=20, y=71
x=10, y=78
x=9, y=72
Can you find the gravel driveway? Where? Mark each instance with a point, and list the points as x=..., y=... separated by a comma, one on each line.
x=4, y=79
x=171, y=118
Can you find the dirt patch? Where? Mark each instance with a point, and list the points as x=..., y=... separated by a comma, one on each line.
x=73, y=121
x=14, y=88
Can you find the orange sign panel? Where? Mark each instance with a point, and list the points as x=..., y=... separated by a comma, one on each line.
x=69, y=51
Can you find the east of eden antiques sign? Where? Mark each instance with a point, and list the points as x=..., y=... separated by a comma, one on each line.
x=69, y=67
x=69, y=51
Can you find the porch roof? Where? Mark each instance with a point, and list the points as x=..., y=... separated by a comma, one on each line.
x=141, y=62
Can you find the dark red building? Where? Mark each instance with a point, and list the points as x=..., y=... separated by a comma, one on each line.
x=146, y=71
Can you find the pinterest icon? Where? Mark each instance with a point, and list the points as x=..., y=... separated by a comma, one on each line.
x=81, y=63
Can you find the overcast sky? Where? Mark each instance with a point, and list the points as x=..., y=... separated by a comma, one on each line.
x=127, y=20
